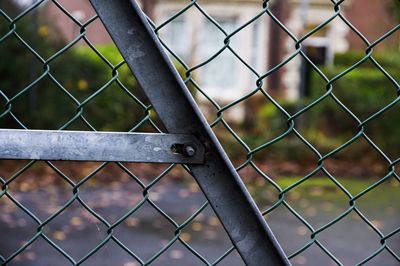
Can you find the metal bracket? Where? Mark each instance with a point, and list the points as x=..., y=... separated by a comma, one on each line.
x=100, y=146
x=176, y=108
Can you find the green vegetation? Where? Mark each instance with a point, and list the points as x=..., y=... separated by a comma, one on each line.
x=49, y=93
x=48, y=81
x=51, y=87
x=47, y=88
x=74, y=76
x=364, y=91
x=319, y=190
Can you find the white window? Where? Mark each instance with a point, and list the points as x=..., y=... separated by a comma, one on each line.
x=177, y=37
x=221, y=72
x=195, y=39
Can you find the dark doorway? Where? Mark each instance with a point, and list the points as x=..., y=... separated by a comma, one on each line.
x=318, y=55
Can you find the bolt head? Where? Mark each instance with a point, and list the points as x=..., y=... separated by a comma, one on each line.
x=189, y=150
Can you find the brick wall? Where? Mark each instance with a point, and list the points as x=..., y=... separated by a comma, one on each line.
x=372, y=18
x=82, y=10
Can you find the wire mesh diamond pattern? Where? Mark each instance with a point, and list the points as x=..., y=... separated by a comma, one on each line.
x=217, y=114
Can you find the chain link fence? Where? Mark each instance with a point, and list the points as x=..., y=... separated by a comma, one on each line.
x=84, y=107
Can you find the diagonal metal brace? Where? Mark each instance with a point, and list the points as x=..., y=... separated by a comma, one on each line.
x=176, y=108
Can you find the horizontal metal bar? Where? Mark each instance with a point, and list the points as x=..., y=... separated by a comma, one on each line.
x=99, y=146
x=178, y=111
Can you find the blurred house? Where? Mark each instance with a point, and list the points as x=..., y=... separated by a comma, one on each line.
x=261, y=44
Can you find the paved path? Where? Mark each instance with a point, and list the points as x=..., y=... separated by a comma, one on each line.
x=146, y=231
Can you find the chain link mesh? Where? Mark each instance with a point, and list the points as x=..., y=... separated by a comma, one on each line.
x=219, y=123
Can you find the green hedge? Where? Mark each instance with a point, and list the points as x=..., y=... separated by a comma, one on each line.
x=365, y=91
x=388, y=60
x=78, y=70
x=82, y=73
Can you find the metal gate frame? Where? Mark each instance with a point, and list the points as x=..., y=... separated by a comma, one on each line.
x=172, y=101
x=190, y=140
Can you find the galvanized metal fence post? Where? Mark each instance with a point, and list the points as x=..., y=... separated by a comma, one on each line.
x=173, y=103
